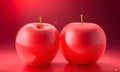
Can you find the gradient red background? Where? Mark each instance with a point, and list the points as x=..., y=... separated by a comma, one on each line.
x=16, y=13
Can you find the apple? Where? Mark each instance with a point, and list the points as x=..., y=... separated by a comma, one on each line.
x=37, y=43
x=82, y=43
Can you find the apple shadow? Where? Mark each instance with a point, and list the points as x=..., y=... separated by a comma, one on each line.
x=97, y=67
x=53, y=67
x=63, y=67
x=29, y=68
x=83, y=68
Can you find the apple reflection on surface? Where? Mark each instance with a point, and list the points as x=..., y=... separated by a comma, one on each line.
x=98, y=67
x=63, y=68
x=83, y=68
x=29, y=68
x=53, y=67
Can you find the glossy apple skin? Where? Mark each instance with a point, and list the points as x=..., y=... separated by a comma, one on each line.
x=82, y=43
x=37, y=46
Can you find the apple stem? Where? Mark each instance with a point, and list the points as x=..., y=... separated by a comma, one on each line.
x=40, y=22
x=81, y=17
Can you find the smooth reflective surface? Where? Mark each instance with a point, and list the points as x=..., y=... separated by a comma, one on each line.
x=10, y=62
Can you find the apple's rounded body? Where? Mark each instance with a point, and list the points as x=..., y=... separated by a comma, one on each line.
x=37, y=46
x=82, y=43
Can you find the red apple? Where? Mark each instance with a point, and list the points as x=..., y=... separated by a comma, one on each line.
x=35, y=45
x=82, y=43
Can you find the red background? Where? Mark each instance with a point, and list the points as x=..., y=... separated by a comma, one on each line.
x=16, y=13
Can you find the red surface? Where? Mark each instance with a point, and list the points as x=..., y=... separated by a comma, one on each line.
x=10, y=62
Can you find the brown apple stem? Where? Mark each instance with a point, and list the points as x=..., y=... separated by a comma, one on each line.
x=40, y=22
x=81, y=17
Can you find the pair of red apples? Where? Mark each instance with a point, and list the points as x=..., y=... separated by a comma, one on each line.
x=82, y=43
